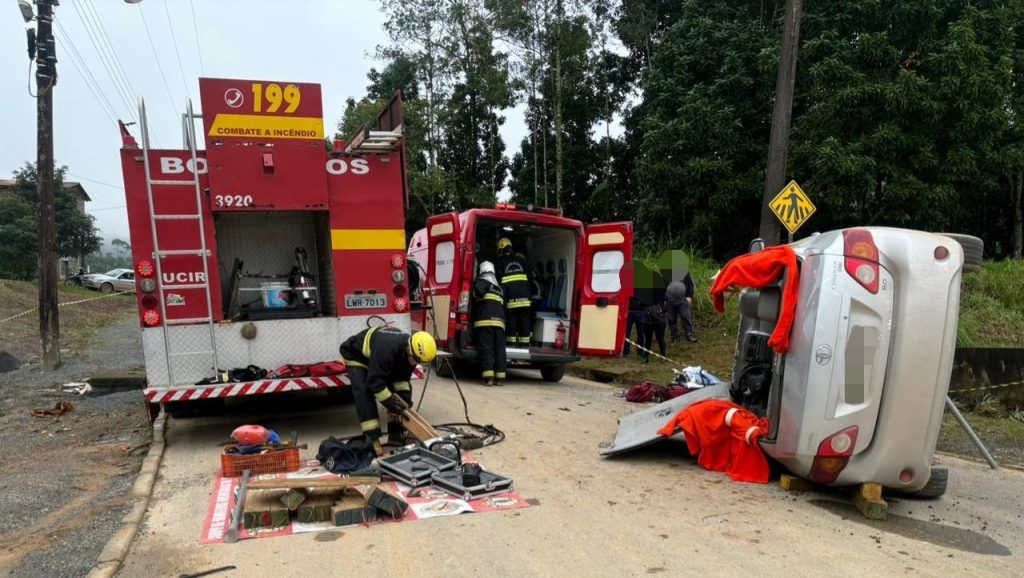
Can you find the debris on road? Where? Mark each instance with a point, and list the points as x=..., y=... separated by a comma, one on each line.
x=60, y=409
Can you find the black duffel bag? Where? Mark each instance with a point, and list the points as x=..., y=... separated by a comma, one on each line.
x=345, y=456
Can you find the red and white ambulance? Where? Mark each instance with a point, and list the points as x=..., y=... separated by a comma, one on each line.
x=266, y=246
x=584, y=272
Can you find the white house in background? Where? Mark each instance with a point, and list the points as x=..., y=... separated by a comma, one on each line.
x=67, y=264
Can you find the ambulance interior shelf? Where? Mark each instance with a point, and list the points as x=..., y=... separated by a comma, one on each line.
x=551, y=253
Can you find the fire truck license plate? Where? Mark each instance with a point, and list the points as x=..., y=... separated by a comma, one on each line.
x=375, y=301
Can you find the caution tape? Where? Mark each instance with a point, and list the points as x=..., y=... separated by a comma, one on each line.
x=24, y=313
x=642, y=348
x=988, y=387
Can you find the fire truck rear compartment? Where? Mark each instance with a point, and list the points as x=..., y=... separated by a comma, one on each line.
x=552, y=251
x=265, y=243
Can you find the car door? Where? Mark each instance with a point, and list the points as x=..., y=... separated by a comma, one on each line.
x=441, y=288
x=125, y=282
x=605, y=288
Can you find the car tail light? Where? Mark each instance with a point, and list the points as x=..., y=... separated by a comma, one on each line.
x=145, y=268
x=151, y=318
x=833, y=455
x=861, y=258
x=397, y=261
x=401, y=305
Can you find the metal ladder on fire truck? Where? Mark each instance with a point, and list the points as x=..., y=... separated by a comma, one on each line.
x=159, y=254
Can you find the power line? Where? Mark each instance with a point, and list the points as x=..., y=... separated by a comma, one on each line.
x=177, y=54
x=152, y=46
x=118, y=67
x=195, y=29
x=81, y=178
x=87, y=78
x=104, y=59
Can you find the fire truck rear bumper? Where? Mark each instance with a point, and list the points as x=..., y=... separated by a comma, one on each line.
x=261, y=387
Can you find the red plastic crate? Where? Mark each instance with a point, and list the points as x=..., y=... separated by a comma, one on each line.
x=273, y=462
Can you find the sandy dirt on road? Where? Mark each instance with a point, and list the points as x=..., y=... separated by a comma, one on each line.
x=651, y=512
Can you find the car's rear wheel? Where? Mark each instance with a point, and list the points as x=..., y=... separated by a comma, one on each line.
x=553, y=372
x=936, y=486
x=106, y=288
x=974, y=249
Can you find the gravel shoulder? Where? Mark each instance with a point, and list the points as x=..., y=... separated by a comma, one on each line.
x=65, y=481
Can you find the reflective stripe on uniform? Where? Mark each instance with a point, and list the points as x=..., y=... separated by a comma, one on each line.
x=489, y=323
x=382, y=395
x=402, y=386
x=353, y=363
x=489, y=373
x=524, y=339
x=494, y=297
x=500, y=375
x=366, y=342
x=517, y=303
x=514, y=278
x=370, y=424
x=510, y=339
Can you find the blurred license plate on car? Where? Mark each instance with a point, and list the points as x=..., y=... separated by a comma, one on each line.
x=375, y=301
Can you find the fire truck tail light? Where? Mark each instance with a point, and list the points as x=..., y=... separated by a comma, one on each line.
x=150, y=302
x=145, y=268
x=397, y=261
x=398, y=290
x=151, y=318
x=401, y=305
x=147, y=285
x=398, y=276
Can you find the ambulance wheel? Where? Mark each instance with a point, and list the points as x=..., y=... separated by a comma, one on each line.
x=106, y=288
x=973, y=250
x=553, y=373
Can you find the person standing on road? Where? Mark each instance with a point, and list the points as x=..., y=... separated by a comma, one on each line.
x=635, y=318
x=654, y=326
x=380, y=362
x=489, y=324
x=515, y=283
x=678, y=301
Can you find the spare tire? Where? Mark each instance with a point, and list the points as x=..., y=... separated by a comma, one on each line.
x=973, y=250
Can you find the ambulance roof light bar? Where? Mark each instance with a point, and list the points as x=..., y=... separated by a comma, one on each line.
x=367, y=140
x=529, y=209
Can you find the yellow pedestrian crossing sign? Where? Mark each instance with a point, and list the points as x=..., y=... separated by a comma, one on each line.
x=792, y=207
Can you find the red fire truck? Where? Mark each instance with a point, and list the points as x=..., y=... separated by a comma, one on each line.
x=583, y=273
x=266, y=246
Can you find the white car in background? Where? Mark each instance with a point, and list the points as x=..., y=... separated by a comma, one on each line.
x=859, y=395
x=121, y=280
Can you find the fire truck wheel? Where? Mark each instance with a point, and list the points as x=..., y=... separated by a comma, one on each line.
x=106, y=288
x=553, y=372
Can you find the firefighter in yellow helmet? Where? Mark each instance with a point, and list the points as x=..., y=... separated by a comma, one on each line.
x=380, y=362
x=514, y=275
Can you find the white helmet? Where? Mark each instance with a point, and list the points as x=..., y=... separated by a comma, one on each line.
x=486, y=267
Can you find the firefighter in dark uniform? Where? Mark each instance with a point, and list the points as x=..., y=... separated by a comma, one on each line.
x=380, y=362
x=489, y=324
x=514, y=273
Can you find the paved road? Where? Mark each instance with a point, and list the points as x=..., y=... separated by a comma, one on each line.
x=651, y=512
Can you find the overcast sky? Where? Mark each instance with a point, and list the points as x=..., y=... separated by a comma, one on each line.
x=330, y=42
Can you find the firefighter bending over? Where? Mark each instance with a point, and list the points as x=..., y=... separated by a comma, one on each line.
x=489, y=324
x=515, y=282
x=380, y=362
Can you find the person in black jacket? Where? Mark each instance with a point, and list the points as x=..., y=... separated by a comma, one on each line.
x=678, y=301
x=655, y=319
x=380, y=362
x=489, y=324
x=635, y=318
x=514, y=274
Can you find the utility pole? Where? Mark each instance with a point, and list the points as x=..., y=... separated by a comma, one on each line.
x=782, y=115
x=46, y=77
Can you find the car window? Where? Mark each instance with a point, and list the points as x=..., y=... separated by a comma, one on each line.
x=113, y=273
x=128, y=275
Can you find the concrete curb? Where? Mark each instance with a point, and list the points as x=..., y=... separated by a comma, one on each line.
x=110, y=559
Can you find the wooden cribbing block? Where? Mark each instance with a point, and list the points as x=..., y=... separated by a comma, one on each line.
x=338, y=483
x=316, y=508
x=417, y=426
x=352, y=510
x=794, y=484
x=868, y=499
x=263, y=509
x=387, y=501
x=293, y=498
